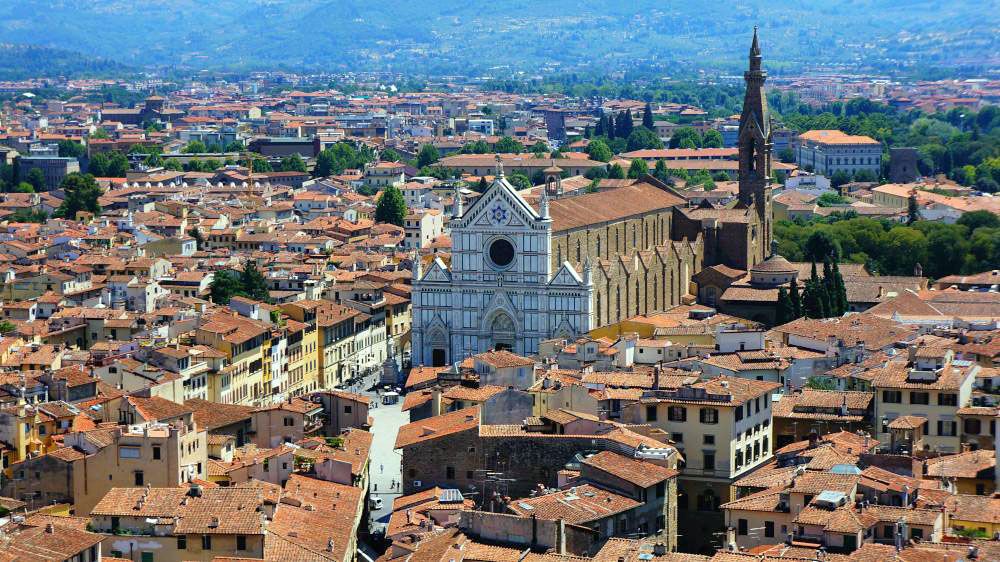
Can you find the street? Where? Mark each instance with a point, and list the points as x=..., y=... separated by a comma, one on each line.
x=383, y=464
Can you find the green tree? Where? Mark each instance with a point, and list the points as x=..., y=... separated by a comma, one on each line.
x=225, y=285
x=786, y=155
x=428, y=155
x=325, y=163
x=912, y=208
x=199, y=240
x=6, y=327
x=598, y=150
x=195, y=147
x=252, y=283
x=508, y=145
x=390, y=155
x=783, y=310
x=647, y=116
x=830, y=198
x=821, y=244
x=36, y=178
x=795, y=298
x=840, y=291
x=519, y=180
x=683, y=134
x=976, y=219
x=839, y=178
x=661, y=172
x=81, y=194
x=642, y=138
x=539, y=149
x=98, y=164
x=616, y=172
x=481, y=186
x=712, y=139
x=391, y=207
x=638, y=168
x=27, y=215
x=234, y=146
x=174, y=164
x=24, y=187
x=291, y=163
x=477, y=147
x=71, y=149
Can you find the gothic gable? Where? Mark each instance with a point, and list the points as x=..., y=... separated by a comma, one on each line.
x=567, y=276
x=438, y=272
x=500, y=206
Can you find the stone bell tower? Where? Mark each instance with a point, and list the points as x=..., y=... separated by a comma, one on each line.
x=755, y=151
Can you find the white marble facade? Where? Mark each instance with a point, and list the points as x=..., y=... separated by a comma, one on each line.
x=500, y=291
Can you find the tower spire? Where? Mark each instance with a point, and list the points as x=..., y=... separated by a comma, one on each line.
x=755, y=57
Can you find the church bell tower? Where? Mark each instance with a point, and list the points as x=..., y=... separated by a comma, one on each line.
x=755, y=151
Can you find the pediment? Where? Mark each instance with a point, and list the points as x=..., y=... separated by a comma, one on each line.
x=438, y=272
x=567, y=276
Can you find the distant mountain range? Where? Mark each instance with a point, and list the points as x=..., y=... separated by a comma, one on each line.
x=476, y=37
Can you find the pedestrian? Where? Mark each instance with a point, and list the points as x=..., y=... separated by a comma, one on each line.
x=376, y=486
x=381, y=468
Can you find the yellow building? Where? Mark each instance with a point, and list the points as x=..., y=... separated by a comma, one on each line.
x=303, y=355
x=973, y=515
x=246, y=344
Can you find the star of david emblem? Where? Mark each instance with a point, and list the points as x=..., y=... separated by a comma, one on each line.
x=498, y=215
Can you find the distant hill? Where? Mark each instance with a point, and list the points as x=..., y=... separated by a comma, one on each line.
x=440, y=36
x=29, y=61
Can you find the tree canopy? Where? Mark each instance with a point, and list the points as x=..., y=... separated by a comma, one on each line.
x=391, y=206
x=82, y=193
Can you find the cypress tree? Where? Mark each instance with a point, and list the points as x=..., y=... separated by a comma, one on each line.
x=647, y=116
x=796, y=299
x=627, y=124
x=841, y=290
x=609, y=126
x=783, y=312
x=810, y=300
x=599, y=130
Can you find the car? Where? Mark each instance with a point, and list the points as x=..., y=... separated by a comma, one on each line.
x=375, y=503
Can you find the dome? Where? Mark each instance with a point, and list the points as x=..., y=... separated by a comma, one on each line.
x=774, y=264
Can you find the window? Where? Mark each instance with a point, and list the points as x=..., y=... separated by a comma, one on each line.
x=677, y=413
x=156, y=452
x=677, y=437
x=709, y=415
x=147, y=557
x=708, y=440
x=348, y=409
x=650, y=413
x=739, y=459
x=768, y=528
x=289, y=421
x=241, y=542
x=139, y=479
x=115, y=523
x=129, y=452
x=709, y=460
x=661, y=489
x=182, y=542
x=206, y=542
x=469, y=475
x=916, y=533
x=739, y=414
x=741, y=527
x=892, y=396
x=449, y=472
x=919, y=398
x=980, y=489
x=947, y=428
x=947, y=399
x=973, y=426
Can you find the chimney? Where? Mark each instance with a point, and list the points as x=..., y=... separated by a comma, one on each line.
x=659, y=549
x=49, y=528
x=966, y=447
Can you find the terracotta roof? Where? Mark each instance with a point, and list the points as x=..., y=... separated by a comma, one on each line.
x=610, y=205
x=576, y=505
x=502, y=359
x=211, y=415
x=639, y=472
x=437, y=426
x=230, y=510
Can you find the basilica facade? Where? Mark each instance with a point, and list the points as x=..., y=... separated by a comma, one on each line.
x=539, y=264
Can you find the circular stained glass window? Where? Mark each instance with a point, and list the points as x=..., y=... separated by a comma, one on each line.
x=501, y=253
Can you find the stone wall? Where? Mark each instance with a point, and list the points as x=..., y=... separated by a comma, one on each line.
x=529, y=532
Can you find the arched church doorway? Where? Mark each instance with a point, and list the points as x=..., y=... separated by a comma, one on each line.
x=502, y=330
